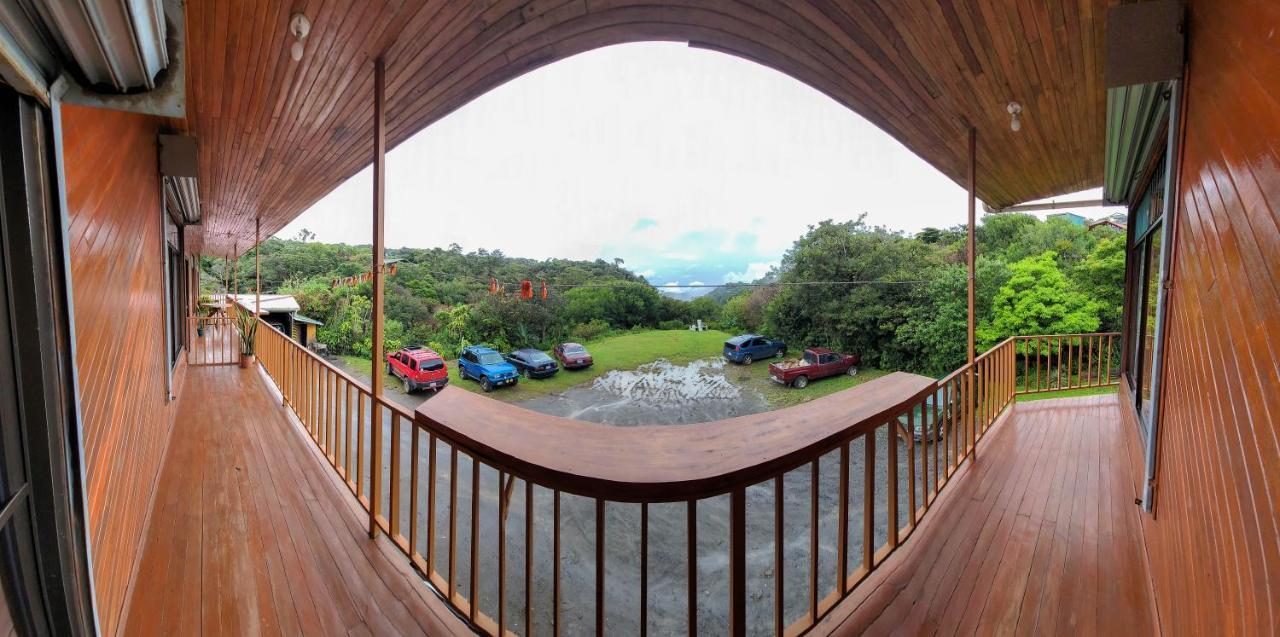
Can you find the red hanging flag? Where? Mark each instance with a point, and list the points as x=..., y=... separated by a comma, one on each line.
x=526, y=289
x=544, y=290
x=493, y=285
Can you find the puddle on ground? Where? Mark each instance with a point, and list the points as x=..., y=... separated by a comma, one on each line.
x=657, y=393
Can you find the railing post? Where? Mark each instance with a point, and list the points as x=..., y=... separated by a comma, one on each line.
x=379, y=218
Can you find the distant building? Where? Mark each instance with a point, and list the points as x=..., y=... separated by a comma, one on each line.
x=1071, y=217
x=280, y=311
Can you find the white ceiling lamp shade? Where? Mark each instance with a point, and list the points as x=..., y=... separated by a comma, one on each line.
x=299, y=28
x=1015, y=116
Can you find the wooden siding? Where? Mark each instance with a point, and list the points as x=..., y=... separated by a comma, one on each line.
x=276, y=135
x=1215, y=538
x=113, y=211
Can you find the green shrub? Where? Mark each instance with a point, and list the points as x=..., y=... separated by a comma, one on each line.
x=590, y=331
x=673, y=324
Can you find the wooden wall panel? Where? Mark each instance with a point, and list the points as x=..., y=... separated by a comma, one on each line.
x=1214, y=543
x=117, y=275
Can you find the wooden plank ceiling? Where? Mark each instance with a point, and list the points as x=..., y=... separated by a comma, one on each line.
x=276, y=135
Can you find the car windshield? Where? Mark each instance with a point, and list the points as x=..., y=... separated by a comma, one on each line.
x=575, y=349
x=491, y=358
x=539, y=357
x=432, y=365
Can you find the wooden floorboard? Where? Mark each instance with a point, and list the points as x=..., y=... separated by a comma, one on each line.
x=1038, y=536
x=253, y=533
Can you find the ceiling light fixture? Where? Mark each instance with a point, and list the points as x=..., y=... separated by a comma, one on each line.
x=1015, y=120
x=299, y=27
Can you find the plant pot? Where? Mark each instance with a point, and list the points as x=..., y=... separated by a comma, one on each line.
x=247, y=361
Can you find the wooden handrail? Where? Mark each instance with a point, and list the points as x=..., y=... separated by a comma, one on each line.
x=926, y=429
x=663, y=463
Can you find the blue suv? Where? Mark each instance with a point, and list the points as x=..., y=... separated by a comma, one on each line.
x=748, y=348
x=487, y=366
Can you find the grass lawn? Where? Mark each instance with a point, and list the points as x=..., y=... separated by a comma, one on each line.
x=1068, y=393
x=624, y=351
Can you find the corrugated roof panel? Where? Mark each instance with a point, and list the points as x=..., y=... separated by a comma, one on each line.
x=1135, y=116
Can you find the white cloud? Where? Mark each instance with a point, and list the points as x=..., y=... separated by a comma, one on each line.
x=754, y=271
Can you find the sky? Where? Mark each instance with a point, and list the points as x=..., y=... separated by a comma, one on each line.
x=693, y=166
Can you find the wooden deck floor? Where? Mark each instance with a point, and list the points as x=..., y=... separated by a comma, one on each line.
x=253, y=533
x=1039, y=536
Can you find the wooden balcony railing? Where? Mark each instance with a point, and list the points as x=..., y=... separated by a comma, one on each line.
x=528, y=523
x=212, y=340
x=1067, y=361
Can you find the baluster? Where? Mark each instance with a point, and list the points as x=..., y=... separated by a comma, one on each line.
x=1107, y=376
x=502, y=555
x=555, y=565
x=528, y=558
x=692, y=519
x=779, y=624
x=644, y=569
x=737, y=562
x=599, y=566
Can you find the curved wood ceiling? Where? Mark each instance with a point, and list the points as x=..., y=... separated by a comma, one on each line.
x=277, y=135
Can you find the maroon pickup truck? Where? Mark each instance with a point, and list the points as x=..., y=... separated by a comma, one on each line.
x=818, y=362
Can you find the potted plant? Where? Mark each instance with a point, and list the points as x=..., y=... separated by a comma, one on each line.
x=204, y=309
x=247, y=326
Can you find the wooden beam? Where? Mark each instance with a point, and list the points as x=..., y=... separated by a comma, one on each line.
x=379, y=218
x=257, y=267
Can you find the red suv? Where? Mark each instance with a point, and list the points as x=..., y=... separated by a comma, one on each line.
x=419, y=368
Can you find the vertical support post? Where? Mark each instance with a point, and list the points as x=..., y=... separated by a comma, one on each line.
x=257, y=267
x=235, y=270
x=379, y=216
x=972, y=253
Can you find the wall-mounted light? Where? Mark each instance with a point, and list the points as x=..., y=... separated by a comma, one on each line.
x=1015, y=119
x=299, y=27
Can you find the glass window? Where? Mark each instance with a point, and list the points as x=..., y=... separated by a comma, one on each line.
x=492, y=358
x=1144, y=255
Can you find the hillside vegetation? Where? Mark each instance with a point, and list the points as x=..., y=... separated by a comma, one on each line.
x=898, y=300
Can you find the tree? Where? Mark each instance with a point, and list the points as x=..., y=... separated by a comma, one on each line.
x=932, y=340
x=1101, y=276
x=999, y=231
x=861, y=311
x=1038, y=299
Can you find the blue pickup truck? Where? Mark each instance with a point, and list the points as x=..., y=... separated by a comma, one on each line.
x=748, y=348
x=487, y=366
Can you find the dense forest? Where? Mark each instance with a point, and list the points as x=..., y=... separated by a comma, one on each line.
x=898, y=300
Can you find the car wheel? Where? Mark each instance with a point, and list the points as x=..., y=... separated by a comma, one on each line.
x=388, y=368
x=485, y=385
x=800, y=382
x=525, y=373
x=747, y=360
x=408, y=386
x=853, y=371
